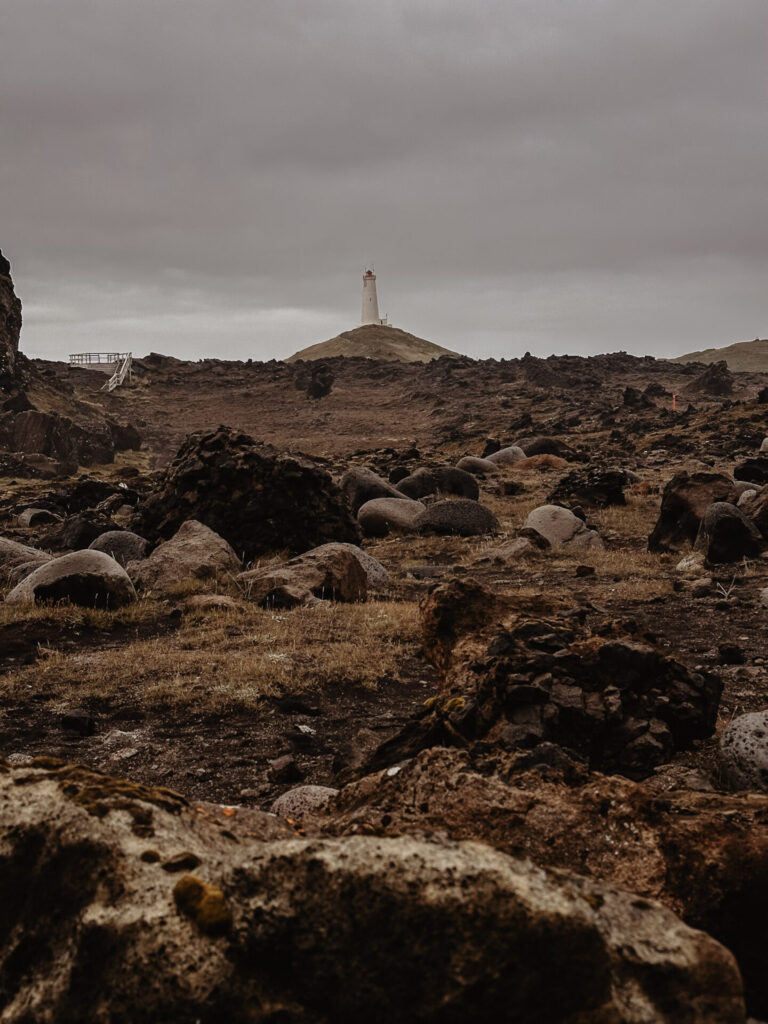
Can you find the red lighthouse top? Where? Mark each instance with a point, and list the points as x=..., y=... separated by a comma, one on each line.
x=369, y=273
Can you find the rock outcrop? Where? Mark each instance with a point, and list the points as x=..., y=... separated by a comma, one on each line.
x=10, y=326
x=258, y=499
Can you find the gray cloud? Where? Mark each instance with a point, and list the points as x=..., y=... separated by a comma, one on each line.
x=206, y=177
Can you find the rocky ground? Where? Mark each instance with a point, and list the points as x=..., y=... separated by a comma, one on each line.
x=539, y=682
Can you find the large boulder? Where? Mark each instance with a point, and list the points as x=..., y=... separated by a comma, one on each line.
x=545, y=446
x=684, y=501
x=443, y=480
x=10, y=325
x=594, y=487
x=704, y=854
x=331, y=573
x=379, y=516
x=515, y=674
x=260, y=500
x=194, y=552
x=88, y=578
x=726, y=535
x=77, y=531
x=477, y=467
x=123, y=545
x=507, y=456
x=753, y=471
x=360, y=485
x=123, y=903
x=562, y=529
x=457, y=515
x=13, y=554
x=58, y=437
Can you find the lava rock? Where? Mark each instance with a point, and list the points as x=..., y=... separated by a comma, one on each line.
x=594, y=487
x=726, y=535
x=381, y=515
x=194, y=552
x=684, y=501
x=123, y=545
x=744, y=751
x=457, y=515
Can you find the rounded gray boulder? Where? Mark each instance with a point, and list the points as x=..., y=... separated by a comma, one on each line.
x=562, y=528
x=744, y=751
x=379, y=516
x=507, y=456
x=477, y=467
x=459, y=515
x=360, y=485
x=123, y=545
x=301, y=800
x=89, y=578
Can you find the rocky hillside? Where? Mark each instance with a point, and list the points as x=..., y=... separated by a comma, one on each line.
x=751, y=356
x=10, y=324
x=375, y=341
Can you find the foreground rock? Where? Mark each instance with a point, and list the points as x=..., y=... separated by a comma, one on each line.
x=193, y=553
x=704, y=854
x=158, y=915
x=684, y=501
x=562, y=529
x=726, y=535
x=88, y=578
x=329, y=573
x=258, y=499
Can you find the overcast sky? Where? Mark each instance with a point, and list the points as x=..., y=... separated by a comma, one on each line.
x=210, y=177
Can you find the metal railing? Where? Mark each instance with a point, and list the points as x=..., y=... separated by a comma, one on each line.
x=97, y=358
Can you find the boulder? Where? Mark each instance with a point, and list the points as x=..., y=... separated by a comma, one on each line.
x=753, y=471
x=260, y=500
x=515, y=673
x=744, y=752
x=123, y=545
x=457, y=515
x=301, y=800
x=331, y=572
x=704, y=854
x=37, y=517
x=377, y=577
x=443, y=480
x=477, y=467
x=379, y=516
x=122, y=903
x=88, y=578
x=13, y=554
x=546, y=446
x=562, y=529
x=194, y=552
x=507, y=456
x=764, y=446
x=685, y=499
x=77, y=531
x=726, y=535
x=360, y=485
x=10, y=326
x=594, y=487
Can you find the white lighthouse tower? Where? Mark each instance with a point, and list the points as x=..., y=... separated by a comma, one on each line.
x=370, y=314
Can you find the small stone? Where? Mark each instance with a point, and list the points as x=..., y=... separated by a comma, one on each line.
x=78, y=721
x=182, y=862
x=284, y=769
x=301, y=800
x=585, y=570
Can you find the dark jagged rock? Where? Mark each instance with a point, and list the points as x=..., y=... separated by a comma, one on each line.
x=546, y=446
x=754, y=471
x=257, y=498
x=683, y=503
x=58, y=437
x=595, y=487
x=621, y=705
x=716, y=380
x=726, y=535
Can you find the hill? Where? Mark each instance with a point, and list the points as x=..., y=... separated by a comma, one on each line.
x=744, y=355
x=375, y=341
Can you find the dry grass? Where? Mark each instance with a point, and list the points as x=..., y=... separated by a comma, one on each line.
x=227, y=660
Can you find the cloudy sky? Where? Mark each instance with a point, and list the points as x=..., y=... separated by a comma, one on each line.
x=210, y=177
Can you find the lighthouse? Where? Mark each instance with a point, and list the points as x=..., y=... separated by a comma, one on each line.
x=370, y=314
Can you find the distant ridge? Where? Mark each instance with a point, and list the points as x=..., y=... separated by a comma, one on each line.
x=375, y=341
x=743, y=355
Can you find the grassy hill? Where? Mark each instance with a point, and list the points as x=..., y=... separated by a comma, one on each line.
x=375, y=341
x=744, y=355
